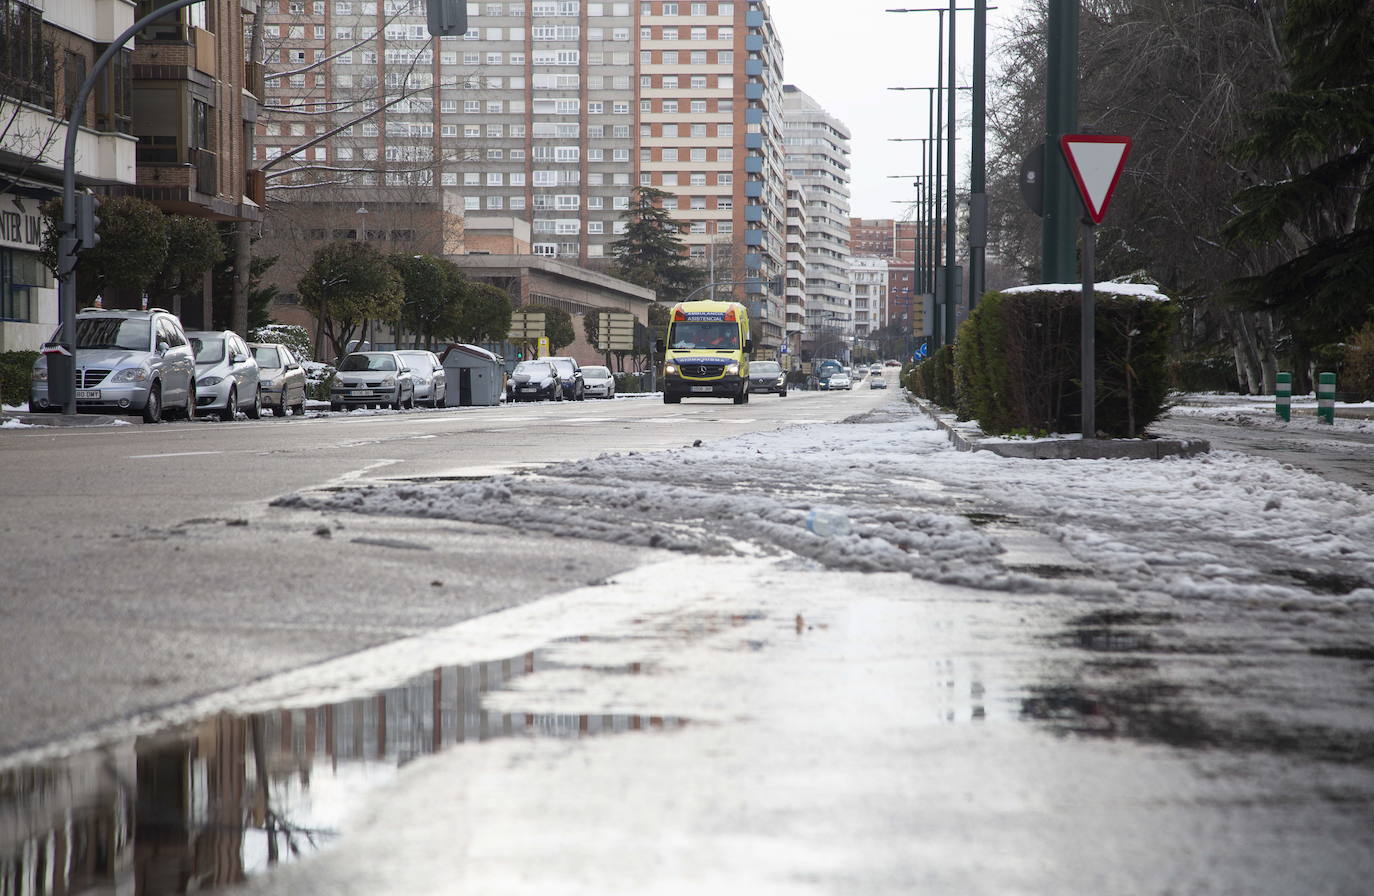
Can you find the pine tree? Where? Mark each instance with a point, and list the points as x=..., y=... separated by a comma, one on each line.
x=652, y=253
x=1320, y=211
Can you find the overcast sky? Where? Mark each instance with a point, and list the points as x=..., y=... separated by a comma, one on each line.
x=846, y=55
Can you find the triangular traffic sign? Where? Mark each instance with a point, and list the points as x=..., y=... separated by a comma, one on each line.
x=1096, y=161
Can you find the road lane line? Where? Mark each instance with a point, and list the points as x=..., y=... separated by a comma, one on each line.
x=175, y=454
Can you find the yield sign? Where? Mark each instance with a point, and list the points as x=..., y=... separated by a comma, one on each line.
x=1096, y=161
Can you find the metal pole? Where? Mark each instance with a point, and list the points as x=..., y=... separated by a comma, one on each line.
x=1061, y=117
x=951, y=295
x=977, y=199
x=1088, y=367
x=936, y=329
x=66, y=242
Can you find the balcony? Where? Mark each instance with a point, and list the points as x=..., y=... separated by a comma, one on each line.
x=753, y=67
x=753, y=91
x=754, y=43
x=753, y=238
x=753, y=141
x=753, y=213
x=753, y=18
x=753, y=189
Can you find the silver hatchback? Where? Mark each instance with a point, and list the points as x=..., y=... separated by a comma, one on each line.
x=226, y=374
x=372, y=379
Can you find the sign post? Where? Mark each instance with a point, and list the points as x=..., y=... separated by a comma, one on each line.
x=1096, y=162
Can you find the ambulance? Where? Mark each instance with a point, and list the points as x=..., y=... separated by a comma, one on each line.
x=707, y=352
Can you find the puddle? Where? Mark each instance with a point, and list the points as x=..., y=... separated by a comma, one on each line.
x=209, y=804
x=1324, y=582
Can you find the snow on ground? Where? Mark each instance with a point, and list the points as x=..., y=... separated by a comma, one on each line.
x=1257, y=411
x=1216, y=528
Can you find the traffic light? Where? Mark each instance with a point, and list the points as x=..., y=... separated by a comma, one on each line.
x=447, y=18
x=87, y=221
x=519, y=353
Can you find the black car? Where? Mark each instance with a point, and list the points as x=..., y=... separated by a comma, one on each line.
x=535, y=381
x=570, y=375
x=767, y=376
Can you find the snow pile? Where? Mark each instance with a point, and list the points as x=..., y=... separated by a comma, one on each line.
x=1219, y=527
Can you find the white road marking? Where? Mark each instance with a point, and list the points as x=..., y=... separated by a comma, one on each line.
x=176, y=454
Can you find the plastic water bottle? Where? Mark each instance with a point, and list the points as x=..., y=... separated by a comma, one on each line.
x=827, y=523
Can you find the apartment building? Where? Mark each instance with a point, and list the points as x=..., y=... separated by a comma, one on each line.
x=551, y=111
x=868, y=277
x=45, y=55
x=896, y=242
x=818, y=159
x=794, y=284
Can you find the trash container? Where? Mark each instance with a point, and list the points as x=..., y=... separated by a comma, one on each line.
x=474, y=376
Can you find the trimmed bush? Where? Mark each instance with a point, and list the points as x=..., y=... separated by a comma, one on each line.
x=933, y=378
x=15, y=370
x=1018, y=364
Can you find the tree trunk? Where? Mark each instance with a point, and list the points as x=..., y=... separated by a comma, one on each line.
x=1269, y=362
x=1249, y=354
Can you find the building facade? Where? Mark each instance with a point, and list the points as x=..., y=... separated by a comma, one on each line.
x=818, y=160
x=794, y=283
x=549, y=111
x=868, y=277
x=45, y=56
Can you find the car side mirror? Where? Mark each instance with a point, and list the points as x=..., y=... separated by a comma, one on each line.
x=405, y=370
x=293, y=366
x=658, y=346
x=162, y=347
x=238, y=358
x=748, y=346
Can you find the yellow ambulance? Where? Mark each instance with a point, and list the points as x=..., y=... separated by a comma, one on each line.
x=707, y=352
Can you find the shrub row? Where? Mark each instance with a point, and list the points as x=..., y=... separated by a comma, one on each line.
x=1017, y=366
x=15, y=370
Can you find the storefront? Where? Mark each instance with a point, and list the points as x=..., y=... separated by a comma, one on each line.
x=28, y=291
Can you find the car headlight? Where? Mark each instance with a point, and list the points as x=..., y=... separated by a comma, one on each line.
x=40, y=373
x=389, y=382
x=269, y=384
x=731, y=369
x=209, y=380
x=670, y=369
x=421, y=381
x=131, y=375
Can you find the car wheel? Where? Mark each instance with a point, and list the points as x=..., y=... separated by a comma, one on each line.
x=279, y=410
x=228, y=413
x=581, y=394
x=299, y=408
x=255, y=409
x=742, y=397
x=335, y=406
x=152, y=411
x=782, y=393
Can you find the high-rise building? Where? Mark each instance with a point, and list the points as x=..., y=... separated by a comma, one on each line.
x=868, y=277
x=896, y=242
x=818, y=160
x=795, y=277
x=550, y=111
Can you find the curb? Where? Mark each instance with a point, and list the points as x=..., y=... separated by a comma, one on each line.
x=968, y=437
x=61, y=420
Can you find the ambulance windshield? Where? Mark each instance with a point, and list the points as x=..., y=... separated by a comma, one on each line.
x=704, y=335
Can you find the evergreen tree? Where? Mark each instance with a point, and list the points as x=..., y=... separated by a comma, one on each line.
x=1319, y=209
x=349, y=283
x=652, y=253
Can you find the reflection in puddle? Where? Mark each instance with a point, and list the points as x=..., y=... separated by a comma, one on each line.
x=210, y=803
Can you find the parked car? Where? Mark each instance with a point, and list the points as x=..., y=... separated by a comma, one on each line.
x=372, y=379
x=226, y=374
x=431, y=384
x=127, y=362
x=282, y=378
x=597, y=382
x=839, y=381
x=767, y=376
x=877, y=382
x=875, y=368
x=535, y=381
x=570, y=375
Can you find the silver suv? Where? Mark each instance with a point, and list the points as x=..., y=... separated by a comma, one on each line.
x=127, y=362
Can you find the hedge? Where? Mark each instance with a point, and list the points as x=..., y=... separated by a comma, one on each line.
x=1017, y=369
x=15, y=370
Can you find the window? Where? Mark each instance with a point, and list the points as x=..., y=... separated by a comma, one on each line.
x=472, y=203
x=596, y=227
x=698, y=180
x=495, y=202
x=472, y=107
x=472, y=179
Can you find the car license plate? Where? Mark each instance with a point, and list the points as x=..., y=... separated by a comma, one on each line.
x=357, y=392
x=703, y=388
x=87, y=394
x=528, y=388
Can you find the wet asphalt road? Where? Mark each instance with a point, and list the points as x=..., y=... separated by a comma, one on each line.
x=143, y=565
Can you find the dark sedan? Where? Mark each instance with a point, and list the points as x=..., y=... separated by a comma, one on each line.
x=535, y=381
x=767, y=376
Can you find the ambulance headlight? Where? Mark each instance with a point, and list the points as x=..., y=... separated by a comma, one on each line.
x=670, y=370
x=732, y=370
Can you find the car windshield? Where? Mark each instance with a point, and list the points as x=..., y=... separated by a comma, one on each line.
x=691, y=334
x=533, y=368
x=355, y=363
x=267, y=357
x=208, y=349
x=418, y=360
x=565, y=367
x=595, y=373
x=113, y=332
x=765, y=368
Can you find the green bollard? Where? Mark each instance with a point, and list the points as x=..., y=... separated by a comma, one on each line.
x=1326, y=398
x=1283, y=395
